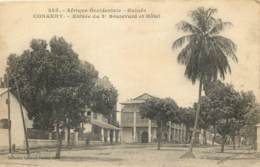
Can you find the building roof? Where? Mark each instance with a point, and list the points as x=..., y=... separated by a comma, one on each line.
x=29, y=122
x=104, y=125
x=139, y=99
x=144, y=96
x=132, y=101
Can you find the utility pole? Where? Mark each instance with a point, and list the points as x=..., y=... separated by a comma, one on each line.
x=9, y=114
x=24, y=126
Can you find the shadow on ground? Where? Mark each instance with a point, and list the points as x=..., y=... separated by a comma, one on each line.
x=80, y=158
x=71, y=158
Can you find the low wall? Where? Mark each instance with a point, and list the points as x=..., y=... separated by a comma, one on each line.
x=34, y=143
x=39, y=143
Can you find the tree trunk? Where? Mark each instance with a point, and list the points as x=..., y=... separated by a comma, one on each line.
x=59, y=141
x=187, y=136
x=204, y=137
x=159, y=139
x=234, y=142
x=223, y=143
x=159, y=136
x=239, y=141
x=68, y=139
x=214, y=136
x=196, y=118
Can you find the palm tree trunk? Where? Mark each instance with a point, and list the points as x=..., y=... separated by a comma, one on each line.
x=196, y=118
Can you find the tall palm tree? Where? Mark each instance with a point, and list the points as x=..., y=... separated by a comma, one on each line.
x=204, y=52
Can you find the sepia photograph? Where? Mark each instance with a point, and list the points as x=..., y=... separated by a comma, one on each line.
x=127, y=83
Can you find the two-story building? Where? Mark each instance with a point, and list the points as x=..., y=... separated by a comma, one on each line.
x=135, y=129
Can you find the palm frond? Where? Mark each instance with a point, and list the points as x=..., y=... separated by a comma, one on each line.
x=203, y=18
x=221, y=61
x=219, y=26
x=187, y=27
x=182, y=40
x=192, y=70
x=206, y=53
x=184, y=55
x=227, y=46
x=211, y=11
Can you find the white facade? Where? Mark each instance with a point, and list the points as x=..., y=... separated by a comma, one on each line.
x=135, y=129
x=258, y=137
x=17, y=132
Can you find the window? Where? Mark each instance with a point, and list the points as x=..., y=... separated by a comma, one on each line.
x=4, y=124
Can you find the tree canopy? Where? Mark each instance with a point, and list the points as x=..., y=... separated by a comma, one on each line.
x=204, y=51
x=56, y=78
x=161, y=111
x=56, y=86
x=226, y=109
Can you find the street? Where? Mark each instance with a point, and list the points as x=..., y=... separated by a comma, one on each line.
x=136, y=155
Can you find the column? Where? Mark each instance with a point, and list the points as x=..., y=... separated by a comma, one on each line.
x=173, y=132
x=184, y=133
x=201, y=137
x=66, y=135
x=108, y=136
x=120, y=136
x=134, y=128
x=50, y=136
x=117, y=136
x=149, y=131
x=102, y=135
x=114, y=136
x=177, y=134
x=181, y=133
x=170, y=131
x=76, y=137
x=258, y=138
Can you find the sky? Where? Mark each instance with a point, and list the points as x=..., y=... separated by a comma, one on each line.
x=136, y=54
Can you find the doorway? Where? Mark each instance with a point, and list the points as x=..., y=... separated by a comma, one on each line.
x=144, y=137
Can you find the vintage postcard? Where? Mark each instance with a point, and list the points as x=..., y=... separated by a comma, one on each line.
x=123, y=83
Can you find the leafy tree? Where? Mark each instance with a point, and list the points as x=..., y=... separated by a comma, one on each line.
x=205, y=53
x=187, y=118
x=248, y=131
x=55, y=85
x=205, y=118
x=249, y=117
x=104, y=97
x=227, y=109
x=208, y=116
x=161, y=111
